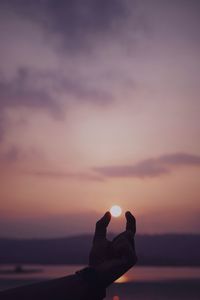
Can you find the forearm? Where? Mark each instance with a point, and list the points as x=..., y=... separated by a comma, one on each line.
x=66, y=288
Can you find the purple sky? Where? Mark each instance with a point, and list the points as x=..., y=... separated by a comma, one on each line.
x=99, y=105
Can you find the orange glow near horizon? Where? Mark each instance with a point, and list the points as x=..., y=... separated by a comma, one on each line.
x=122, y=279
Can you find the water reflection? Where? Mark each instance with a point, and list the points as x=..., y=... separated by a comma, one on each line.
x=122, y=279
x=137, y=274
x=116, y=298
x=147, y=274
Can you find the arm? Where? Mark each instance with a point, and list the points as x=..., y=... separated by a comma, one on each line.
x=66, y=288
x=108, y=261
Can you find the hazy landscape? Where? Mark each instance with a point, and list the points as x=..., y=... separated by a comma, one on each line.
x=168, y=266
x=153, y=250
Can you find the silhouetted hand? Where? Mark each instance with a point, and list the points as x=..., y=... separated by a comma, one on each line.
x=112, y=259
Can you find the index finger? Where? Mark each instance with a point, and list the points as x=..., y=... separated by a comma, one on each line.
x=101, y=226
x=130, y=222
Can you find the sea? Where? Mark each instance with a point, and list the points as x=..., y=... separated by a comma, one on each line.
x=140, y=283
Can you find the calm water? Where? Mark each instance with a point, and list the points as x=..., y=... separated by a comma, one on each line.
x=140, y=283
x=136, y=274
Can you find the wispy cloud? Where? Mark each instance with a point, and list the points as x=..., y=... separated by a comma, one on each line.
x=23, y=91
x=20, y=159
x=43, y=89
x=47, y=91
x=15, y=155
x=148, y=168
x=66, y=175
x=79, y=23
x=56, y=39
x=152, y=167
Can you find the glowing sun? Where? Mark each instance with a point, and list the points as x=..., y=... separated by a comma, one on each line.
x=115, y=211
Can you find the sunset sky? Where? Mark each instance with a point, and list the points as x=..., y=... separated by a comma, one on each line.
x=99, y=105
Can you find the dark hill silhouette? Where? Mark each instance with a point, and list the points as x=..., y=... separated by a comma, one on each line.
x=159, y=250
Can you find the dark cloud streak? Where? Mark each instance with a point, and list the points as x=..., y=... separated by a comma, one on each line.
x=19, y=92
x=79, y=22
x=46, y=91
x=66, y=175
x=76, y=26
x=148, y=168
x=33, y=88
x=15, y=154
x=153, y=167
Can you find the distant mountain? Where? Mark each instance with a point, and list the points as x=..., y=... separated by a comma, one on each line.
x=159, y=250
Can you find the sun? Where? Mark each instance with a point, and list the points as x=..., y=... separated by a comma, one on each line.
x=116, y=211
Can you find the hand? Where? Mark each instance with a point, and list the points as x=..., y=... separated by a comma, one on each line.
x=112, y=259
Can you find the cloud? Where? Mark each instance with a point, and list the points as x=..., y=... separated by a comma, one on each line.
x=152, y=167
x=148, y=168
x=14, y=154
x=66, y=175
x=78, y=22
x=21, y=91
x=39, y=26
x=180, y=159
x=56, y=52
x=37, y=89
x=51, y=92
x=2, y=126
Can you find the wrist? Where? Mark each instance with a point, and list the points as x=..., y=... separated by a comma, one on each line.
x=92, y=278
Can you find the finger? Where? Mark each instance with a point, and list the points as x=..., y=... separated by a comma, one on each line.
x=101, y=226
x=130, y=222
